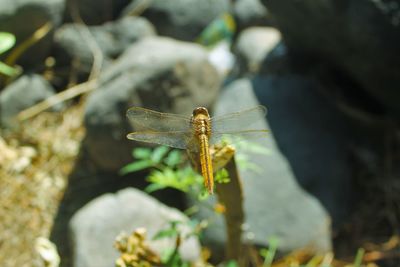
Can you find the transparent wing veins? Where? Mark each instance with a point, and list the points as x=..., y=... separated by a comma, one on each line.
x=238, y=121
x=145, y=119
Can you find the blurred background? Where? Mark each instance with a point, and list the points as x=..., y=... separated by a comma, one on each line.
x=325, y=187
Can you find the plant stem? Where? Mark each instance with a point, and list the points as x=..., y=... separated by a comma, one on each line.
x=231, y=196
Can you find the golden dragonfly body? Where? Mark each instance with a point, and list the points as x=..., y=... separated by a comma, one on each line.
x=195, y=133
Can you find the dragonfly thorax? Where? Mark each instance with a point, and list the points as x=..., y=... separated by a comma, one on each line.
x=201, y=121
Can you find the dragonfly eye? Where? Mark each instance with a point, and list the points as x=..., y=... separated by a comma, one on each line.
x=200, y=110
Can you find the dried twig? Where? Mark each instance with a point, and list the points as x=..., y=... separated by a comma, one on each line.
x=78, y=89
x=90, y=40
x=140, y=7
x=33, y=39
x=56, y=99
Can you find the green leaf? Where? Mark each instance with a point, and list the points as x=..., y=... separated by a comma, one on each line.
x=171, y=258
x=231, y=263
x=159, y=153
x=166, y=254
x=141, y=153
x=7, y=40
x=136, y=166
x=162, y=179
x=222, y=176
x=359, y=257
x=203, y=195
x=172, y=232
x=269, y=253
x=154, y=187
x=7, y=70
x=174, y=158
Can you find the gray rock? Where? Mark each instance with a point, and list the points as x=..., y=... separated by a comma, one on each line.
x=274, y=204
x=277, y=61
x=314, y=136
x=94, y=228
x=183, y=20
x=21, y=94
x=95, y=12
x=249, y=13
x=112, y=38
x=156, y=73
x=253, y=45
x=359, y=39
x=23, y=17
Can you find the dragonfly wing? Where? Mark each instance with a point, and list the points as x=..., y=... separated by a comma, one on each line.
x=238, y=121
x=235, y=137
x=148, y=120
x=176, y=139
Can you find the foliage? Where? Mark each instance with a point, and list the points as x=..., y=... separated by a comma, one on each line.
x=171, y=257
x=222, y=176
x=7, y=41
x=168, y=170
x=269, y=254
x=359, y=257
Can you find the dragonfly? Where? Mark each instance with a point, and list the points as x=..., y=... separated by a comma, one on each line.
x=195, y=133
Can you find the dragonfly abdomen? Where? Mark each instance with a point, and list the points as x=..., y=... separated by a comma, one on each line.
x=206, y=163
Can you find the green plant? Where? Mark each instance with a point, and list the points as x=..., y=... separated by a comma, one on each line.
x=359, y=257
x=171, y=257
x=168, y=169
x=231, y=263
x=7, y=41
x=269, y=254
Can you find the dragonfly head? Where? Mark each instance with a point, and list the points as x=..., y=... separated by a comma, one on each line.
x=200, y=111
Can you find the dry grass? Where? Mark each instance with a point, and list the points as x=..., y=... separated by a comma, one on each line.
x=35, y=163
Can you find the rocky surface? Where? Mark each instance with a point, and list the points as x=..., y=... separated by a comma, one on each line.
x=156, y=73
x=250, y=13
x=357, y=40
x=112, y=38
x=253, y=45
x=307, y=138
x=23, y=18
x=23, y=93
x=94, y=227
x=94, y=12
x=182, y=20
x=275, y=205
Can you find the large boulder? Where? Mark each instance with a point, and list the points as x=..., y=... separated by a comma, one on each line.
x=23, y=17
x=94, y=228
x=183, y=20
x=23, y=93
x=359, y=40
x=112, y=38
x=94, y=12
x=253, y=45
x=314, y=136
x=274, y=204
x=156, y=73
x=250, y=13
